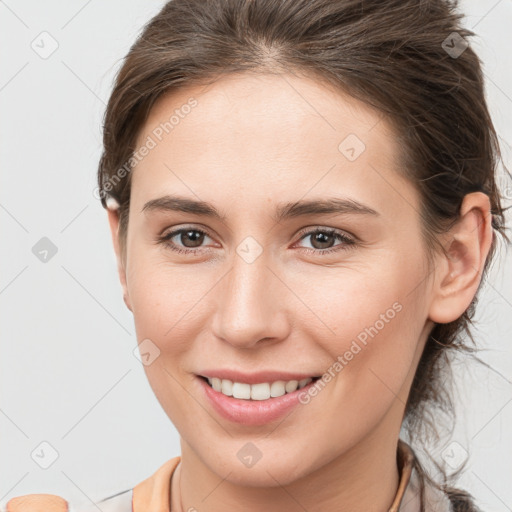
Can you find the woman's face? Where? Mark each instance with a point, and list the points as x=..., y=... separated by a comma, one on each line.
x=255, y=293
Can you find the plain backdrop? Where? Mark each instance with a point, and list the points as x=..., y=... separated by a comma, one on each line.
x=74, y=396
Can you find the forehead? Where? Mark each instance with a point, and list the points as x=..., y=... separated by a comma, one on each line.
x=259, y=105
x=256, y=134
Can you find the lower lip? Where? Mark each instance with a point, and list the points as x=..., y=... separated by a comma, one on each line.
x=252, y=412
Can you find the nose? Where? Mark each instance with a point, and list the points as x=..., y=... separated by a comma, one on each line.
x=251, y=304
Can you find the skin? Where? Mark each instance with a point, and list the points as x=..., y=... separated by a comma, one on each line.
x=252, y=142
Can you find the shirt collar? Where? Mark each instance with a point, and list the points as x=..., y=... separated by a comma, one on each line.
x=154, y=492
x=404, y=459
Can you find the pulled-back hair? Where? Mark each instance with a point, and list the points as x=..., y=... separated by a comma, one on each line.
x=409, y=59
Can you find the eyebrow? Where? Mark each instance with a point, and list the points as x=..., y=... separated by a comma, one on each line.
x=283, y=211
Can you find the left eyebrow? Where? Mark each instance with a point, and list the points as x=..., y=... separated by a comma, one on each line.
x=332, y=205
x=283, y=211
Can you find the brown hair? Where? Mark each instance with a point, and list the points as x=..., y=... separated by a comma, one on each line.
x=410, y=59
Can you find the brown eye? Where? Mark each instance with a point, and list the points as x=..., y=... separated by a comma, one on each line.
x=322, y=241
x=195, y=237
x=184, y=240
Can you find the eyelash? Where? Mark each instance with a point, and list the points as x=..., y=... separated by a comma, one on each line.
x=347, y=241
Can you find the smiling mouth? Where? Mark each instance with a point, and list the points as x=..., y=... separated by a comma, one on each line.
x=260, y=391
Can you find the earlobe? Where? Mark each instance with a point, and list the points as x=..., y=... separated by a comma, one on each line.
x=459, y=270
x=113, y=219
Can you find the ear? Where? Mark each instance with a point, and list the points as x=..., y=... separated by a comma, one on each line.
x=113, y=219
x=459, y=271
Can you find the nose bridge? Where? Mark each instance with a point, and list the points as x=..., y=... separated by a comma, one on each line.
x=250, y=306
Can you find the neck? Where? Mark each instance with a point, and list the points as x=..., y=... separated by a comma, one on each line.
x=364, y=478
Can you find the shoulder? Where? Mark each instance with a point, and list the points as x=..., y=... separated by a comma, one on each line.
x=35, y=502
x=119, y=502
x=151, y=494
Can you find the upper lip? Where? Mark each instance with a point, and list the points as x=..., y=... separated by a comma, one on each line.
x=256, y=377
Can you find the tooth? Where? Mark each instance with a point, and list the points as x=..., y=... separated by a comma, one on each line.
x=277, y=388
x=260, y=391
x=291, y=386
x=241, y=390
x=227, y=387
x=304, y=382
x=216, y=383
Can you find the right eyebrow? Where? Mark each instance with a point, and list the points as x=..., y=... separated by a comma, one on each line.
x=184, y=205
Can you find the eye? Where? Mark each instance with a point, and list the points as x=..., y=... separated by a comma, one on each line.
x=192, y=238
x=323, y=238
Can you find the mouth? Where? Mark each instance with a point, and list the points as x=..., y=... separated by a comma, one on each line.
x=255, y=404
x=259, y=391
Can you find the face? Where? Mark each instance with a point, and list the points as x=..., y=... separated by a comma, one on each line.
x=337, y=289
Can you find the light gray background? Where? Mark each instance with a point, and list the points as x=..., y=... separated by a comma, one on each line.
x=68, y=373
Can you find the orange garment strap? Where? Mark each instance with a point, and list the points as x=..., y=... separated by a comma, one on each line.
x=154, y=493
x=405, y=458
x=37, y=503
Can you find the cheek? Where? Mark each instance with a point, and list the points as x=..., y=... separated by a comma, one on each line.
x=163, y=299
x=347, y=300
x=370, y=321
x=163, y=296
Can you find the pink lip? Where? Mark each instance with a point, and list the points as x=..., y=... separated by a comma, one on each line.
x=252, y=412
x=257, y=377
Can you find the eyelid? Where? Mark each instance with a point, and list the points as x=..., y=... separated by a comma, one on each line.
x=347, y=239
x=173, y=229
x=166, y=237
x=318, y=227
x=308, y=230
